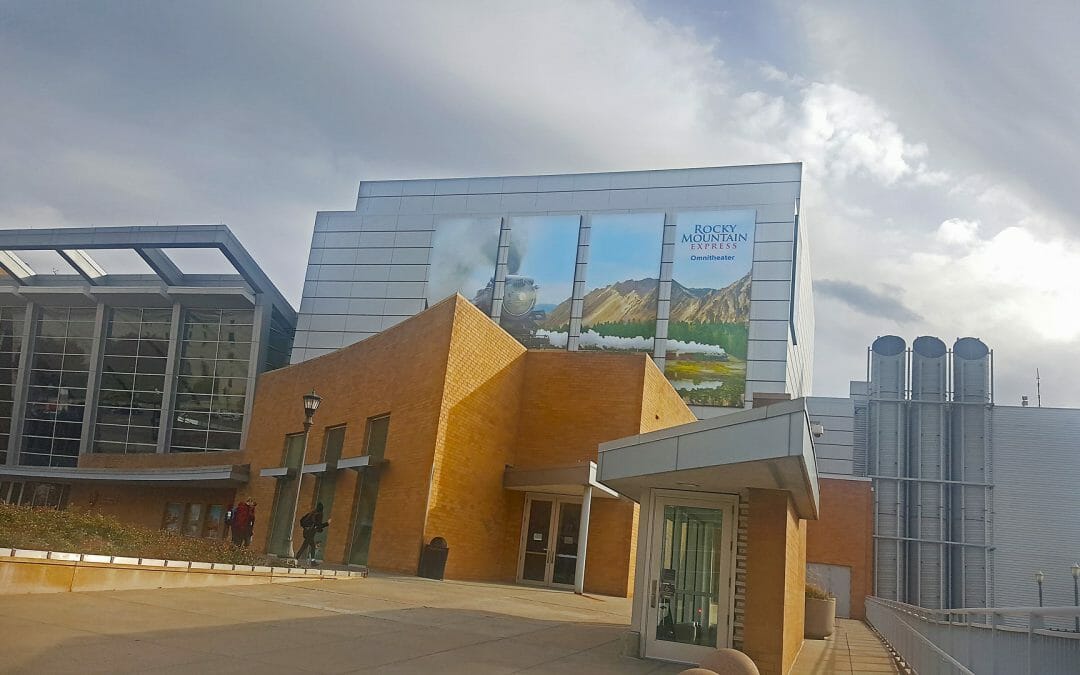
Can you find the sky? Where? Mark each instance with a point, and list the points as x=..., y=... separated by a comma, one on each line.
x=938, y=139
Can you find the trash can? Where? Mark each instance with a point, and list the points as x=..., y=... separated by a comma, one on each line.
x=433, y=559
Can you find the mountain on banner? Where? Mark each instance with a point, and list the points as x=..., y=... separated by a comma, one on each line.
x=634, y=301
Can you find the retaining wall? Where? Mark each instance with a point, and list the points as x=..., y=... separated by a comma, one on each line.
x=25, y=571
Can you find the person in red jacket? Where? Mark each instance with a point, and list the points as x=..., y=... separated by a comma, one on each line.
x=242, y=521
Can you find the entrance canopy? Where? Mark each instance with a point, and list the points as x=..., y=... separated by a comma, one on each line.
x=564, y=480
x=769, y=447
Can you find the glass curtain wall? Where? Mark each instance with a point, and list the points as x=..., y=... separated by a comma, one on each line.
x=11, y=330
x=211, y=384
x=56, y=397
x=132, y=380
x=378, y=429
x=285, y=496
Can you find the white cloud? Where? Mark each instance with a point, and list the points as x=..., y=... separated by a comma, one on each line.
x=957, y=231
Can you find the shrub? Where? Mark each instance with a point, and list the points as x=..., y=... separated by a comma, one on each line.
x=815, y=592
x=78, y=531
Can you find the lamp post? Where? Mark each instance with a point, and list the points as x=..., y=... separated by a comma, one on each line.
x=1076, y=592
x=311, y=404
x=1039, y=576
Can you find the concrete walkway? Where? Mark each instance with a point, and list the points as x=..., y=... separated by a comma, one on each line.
x=853, y=648
x=379, y=624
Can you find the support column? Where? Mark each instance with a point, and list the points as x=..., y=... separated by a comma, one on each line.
x=583, y=541
x=93, y=382
x=168, y=391
x=22, y=380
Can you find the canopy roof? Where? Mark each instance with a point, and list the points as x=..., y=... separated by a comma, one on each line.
x=769, y=447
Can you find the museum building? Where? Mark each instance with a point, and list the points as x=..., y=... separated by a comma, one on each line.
x=592, y=382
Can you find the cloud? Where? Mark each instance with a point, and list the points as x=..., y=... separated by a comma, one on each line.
x=258, y=116
x=866, y=300
x=957, y=231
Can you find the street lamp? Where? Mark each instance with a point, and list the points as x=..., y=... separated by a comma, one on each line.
x=1039, y=576
x=1076, y=592
x=311, y=404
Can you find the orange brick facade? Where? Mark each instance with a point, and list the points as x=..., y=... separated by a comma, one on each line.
x=844, y=535
x=466, y=401
x=775, y=582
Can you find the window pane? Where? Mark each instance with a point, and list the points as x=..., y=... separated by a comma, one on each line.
x=120, y=364
x=119, y=347
x=220, y=440
x=232, y=369
x=226, y=422
x=234, y=350
x=233, y=386
x=199, y=349
x=194, y=385
x=199, y=367
x=76, y=361
x=155, y=331
x=150, y=366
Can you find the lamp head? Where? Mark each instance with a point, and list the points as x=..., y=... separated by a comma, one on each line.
x=311, y=404
x=1076, y=571
x=1039, y=576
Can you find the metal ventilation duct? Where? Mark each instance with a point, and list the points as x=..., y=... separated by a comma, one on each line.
x=887, y=426
x=927, y=464
x=970, y=517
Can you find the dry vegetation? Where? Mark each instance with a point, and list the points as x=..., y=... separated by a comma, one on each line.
x=80, y=532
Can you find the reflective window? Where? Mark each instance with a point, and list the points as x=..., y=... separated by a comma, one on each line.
x=11, y=330
x=211, y=381
x=378, y=430
x=132, y=380
x=56, y=395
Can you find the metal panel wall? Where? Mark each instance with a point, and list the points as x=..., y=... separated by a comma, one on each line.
x=368, y=268
x=1036, y=524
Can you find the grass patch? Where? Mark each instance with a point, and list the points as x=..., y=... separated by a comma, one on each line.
x=81, y=532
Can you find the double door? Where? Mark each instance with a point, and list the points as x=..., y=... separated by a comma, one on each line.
x=549, y=540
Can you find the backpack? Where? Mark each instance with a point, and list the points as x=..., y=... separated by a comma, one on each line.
x=308, y=521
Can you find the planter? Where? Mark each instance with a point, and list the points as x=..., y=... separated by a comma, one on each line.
x=820, y=618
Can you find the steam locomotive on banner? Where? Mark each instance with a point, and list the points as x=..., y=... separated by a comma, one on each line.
x=518, y=315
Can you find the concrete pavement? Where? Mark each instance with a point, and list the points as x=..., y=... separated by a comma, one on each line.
x=853, y=648
x=379, y=624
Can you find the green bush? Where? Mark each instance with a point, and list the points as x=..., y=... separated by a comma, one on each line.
x=77, y=531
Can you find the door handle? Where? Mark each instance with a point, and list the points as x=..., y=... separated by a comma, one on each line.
x=652, y=595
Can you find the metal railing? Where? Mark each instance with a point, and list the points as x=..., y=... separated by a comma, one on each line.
x=979, y=641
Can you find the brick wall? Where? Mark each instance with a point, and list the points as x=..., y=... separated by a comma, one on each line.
x=167, y=460
x=775, y=577
x=843, y=535
x=794, y=586
x=661, y=405
x=401, y=372
x=142, y=505
x=469, y=507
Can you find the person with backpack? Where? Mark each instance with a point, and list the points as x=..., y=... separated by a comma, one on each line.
x=312, y=524
x=240, y=517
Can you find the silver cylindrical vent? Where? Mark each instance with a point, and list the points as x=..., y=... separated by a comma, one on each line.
x=927, y=462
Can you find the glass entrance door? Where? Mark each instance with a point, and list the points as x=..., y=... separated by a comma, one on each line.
x=689, y=611
x=549, y=540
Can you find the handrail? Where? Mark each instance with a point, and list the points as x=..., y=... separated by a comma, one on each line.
x=949, y=640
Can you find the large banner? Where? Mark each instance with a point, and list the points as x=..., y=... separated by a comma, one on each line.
x=709, y=321
x=463, y=252
x=540, y=279
x=622, y=282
